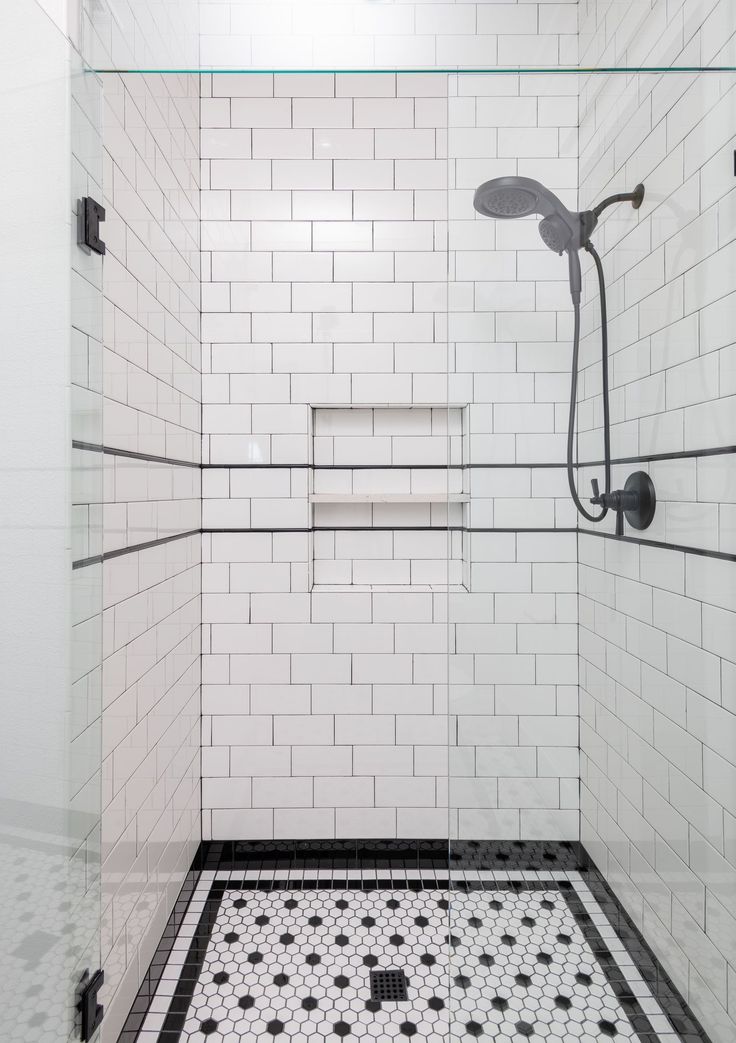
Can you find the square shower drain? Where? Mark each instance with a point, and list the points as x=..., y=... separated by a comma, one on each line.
x=388, y=986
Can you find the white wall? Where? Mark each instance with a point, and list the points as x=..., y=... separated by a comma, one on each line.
x=658, y=625
x=152, y=611
x=136, y=34
x=363, y=34
x=326, y=259
x=628, y=33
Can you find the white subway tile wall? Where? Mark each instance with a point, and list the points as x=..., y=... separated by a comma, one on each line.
x=658, y=625
x=677, y=33
x=325, y=325
x=404, y=34
x=152, y=603
x=134, y=34
x=513, y=677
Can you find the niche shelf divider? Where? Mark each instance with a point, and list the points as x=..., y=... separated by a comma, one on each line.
x=382, y=497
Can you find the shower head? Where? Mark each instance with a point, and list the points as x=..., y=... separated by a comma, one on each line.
x=562, y=230
x=505, y=198
x=494, y=199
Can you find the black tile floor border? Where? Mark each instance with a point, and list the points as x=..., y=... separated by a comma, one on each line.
x=328, y=858
x=176, y=1016
x=659, y=982
x=152, y=977
x=229, y=856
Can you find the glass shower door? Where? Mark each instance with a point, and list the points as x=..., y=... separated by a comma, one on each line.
x=591, y=791
x=50, y=405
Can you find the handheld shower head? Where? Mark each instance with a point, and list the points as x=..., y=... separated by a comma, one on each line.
x=506, y=198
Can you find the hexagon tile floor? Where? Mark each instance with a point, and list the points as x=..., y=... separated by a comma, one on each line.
x=510, y=960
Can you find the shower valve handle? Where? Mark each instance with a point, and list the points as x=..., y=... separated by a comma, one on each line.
x=620, y=501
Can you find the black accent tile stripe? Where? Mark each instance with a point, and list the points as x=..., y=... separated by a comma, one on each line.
x=678, y=454
x=660, y=544
x=130, y=454
x=133, y=548
x=390, y=528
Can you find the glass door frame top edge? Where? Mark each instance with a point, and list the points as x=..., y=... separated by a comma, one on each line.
x=419, y=71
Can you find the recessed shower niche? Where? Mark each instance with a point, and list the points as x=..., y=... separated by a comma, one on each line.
x=388, y=499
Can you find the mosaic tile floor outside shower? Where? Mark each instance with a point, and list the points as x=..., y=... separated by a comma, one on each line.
x=277, y=952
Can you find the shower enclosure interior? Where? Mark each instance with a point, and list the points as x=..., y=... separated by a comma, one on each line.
x=408, y=633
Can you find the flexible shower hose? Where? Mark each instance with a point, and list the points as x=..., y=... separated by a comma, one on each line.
x=574, y=393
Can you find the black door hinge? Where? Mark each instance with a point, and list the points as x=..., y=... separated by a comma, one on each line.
x=90, y=1010
x=91, y=214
